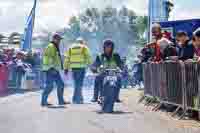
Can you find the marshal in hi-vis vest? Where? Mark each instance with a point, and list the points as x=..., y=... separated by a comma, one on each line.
x=78, y=56
x=51, y=58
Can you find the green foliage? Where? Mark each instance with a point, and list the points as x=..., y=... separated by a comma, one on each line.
x=141, y=24
x=123, y=26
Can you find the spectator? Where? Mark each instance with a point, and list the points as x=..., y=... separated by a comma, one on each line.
x=36, y=58
x=184, y=49
x=159, y=44
x=1, y=55
x=20, y=69
x=137, y=73
x=167, y=35
x=146, y=54
x=196, y=43
x=125, y=76
x=29, y=59
x=10, y=53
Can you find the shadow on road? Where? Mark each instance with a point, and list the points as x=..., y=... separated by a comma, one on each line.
x=121, y=112
x=115, y=112
x=18, y=91
x=57, y=107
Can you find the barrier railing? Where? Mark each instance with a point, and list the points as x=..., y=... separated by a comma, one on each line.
x=175, y=83
x=32, y=79
x=192, y=86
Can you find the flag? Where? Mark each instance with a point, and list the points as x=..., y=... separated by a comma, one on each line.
x=26, y=42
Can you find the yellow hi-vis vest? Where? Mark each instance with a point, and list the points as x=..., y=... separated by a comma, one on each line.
x=78, y=56
x=51, y=58
x=112, y=64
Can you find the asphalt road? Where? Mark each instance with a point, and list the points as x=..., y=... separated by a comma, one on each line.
x=22, y=114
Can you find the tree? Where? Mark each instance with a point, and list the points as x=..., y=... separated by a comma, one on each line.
x=141, y=24
x=124, y=11
x=108, y=14
x=74, y=24
x=122, y=26
x=132, y=17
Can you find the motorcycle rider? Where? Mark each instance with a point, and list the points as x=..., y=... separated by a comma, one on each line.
x=107, y=59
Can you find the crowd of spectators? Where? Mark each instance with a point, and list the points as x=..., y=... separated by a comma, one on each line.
x=13, y=55
x=18, y=63
x=164, y=47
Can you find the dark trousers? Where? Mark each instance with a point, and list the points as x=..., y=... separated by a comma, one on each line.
x=78, y=76
x=52, y=76
x=98, y=86
x=19, y=76
x=117, y=95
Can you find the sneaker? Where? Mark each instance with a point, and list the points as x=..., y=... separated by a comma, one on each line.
x=64, y=103
x=46, y=104
x=118, y=101
x=100, y=112
x=81, y=102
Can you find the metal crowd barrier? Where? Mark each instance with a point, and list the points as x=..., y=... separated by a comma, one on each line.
x=192, y=86
x=14, y=78
x=175, y=83
x=40, y=77
x=28, y=80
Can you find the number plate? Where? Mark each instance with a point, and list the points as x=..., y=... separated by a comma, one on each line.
x=112, y=78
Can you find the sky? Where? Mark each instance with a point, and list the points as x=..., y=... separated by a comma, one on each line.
x=186, y=9
x=54, y=14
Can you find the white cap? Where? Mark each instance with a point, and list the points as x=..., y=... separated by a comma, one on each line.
x=80, y=40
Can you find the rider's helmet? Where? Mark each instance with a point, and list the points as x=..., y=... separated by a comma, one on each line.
x=108, y=43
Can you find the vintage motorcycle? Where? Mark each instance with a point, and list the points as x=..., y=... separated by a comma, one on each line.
x=110, y=87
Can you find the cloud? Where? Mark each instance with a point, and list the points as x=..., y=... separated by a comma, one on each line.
x=50, y=14
x=56, y=13
x=181, y=12
x=53, y=14
x=139, y=7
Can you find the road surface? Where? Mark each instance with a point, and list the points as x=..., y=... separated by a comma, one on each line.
x=21, y=113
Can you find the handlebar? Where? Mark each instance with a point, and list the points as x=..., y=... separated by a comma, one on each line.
x=103, y=69
x=107, y=70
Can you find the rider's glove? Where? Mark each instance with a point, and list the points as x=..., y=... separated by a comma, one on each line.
x=93, y=69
